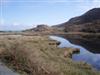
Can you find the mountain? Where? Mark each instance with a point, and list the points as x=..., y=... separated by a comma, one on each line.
x=88, y=22
x=40, y=28
x=90, y=16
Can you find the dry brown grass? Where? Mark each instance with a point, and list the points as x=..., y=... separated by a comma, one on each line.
x=34, y=55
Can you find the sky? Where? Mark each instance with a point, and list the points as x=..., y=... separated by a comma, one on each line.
x=24, y=14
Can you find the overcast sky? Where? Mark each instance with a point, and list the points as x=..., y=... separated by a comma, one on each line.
x=21, y=14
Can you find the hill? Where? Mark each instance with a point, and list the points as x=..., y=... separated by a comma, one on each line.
x=88, y=22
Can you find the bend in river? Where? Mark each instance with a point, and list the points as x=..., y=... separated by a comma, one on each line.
x=85, y=55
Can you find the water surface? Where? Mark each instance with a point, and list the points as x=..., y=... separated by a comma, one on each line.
x=85, y=55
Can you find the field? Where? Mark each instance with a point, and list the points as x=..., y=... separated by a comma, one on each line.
x=39, y=55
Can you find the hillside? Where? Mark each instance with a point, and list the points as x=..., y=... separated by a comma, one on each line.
x=88, y=22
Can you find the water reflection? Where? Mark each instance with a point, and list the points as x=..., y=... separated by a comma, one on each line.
x=84, y=55
x=91, y=43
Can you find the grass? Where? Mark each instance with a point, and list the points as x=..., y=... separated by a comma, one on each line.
x=38, y=55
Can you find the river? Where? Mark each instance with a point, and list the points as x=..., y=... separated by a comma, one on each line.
x=85, y=55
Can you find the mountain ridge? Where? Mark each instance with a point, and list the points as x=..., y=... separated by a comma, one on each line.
x=88, y=22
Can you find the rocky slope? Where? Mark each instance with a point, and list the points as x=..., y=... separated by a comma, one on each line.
x=45, y=29
x=41, y=28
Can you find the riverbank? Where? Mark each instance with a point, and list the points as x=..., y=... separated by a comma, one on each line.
x=39, y=55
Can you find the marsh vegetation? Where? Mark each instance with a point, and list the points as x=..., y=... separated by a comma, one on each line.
x=39, y=55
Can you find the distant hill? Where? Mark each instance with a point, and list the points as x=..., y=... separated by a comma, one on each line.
x=88, y=22
x=40, y=28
